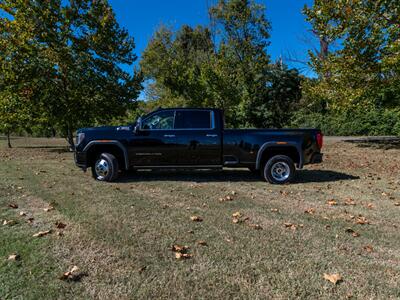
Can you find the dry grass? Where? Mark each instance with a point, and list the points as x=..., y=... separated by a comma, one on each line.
x=120, y=234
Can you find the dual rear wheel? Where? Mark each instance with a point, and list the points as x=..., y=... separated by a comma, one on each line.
x=279, y=169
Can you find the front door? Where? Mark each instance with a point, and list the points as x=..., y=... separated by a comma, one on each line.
x=198, y=141
x=155, y=143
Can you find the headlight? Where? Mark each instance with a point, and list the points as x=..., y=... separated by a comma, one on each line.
x=79, y=138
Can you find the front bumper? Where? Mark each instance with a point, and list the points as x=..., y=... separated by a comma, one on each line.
x=80, y=159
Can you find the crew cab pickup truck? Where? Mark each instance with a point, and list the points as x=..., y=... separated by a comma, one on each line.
x=190, y=138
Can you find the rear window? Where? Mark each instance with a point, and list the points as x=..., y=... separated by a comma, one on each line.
x=193, y=119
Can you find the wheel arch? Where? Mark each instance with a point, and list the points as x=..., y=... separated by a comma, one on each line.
x=114, y=147
x=270, y=149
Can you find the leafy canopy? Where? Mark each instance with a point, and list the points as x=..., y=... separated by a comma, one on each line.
x=78, y=50
x=223, y=65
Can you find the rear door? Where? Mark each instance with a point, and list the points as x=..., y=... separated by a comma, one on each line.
x=198, y=139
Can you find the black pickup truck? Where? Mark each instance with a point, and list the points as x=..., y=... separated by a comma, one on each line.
x=191, y=138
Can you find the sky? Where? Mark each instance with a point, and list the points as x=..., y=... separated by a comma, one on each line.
x=289, y=28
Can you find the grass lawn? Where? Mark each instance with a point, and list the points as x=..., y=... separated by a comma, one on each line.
x=340, y=217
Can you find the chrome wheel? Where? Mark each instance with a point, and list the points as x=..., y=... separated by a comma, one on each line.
x=280, y=171
x=102, y=168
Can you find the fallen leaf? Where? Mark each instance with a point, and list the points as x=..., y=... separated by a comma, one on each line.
x=14, y=256
x=42, y=233
x=201, y=243
x=226, y=198
x=60, y=225
x=293, y=226
x=47, y=209
x=370, y=205
x=334, y=278
x=196, y=219
x=353, y=233
x=310, y=211
x=236, y=215
x=9, y=222
x=255, y=226
x=332, y=202
x=178, y=248
x=349, y=201
x=362, y=220
x=179, y=255
x=181, y=252
x=71, y=274
x=368, y=248
x=236, y=220
x=13, y=205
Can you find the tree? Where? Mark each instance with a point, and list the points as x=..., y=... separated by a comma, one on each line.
x=230, y=70
x=177, y=61
x=19, y=70
x=364, y=70
x=283, y=93
x=80, y=49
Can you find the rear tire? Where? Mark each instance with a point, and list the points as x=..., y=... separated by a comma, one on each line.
x=105, y=168
x=279, y=169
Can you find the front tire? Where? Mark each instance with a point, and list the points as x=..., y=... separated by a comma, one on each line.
x=105, y=168
x=279, y=169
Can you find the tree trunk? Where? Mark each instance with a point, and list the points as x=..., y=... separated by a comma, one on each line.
x=70, y=138
x=8, y=139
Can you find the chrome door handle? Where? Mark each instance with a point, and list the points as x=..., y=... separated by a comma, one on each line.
x=211, y=135
x=169, y=135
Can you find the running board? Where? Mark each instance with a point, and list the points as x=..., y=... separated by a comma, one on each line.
x=178, y=167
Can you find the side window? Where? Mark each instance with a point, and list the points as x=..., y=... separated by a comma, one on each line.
x=162, y=120
x=193, y=119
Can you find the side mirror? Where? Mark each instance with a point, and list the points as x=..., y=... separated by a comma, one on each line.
x=138, y=125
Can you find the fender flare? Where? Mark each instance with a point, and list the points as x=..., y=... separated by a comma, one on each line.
x=110, y=142
x=267, y=145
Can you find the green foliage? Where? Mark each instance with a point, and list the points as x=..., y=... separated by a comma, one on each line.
x=76, y=49
x=224, y=66
x=177, y=61
x=363, y=71
x=351, y=122
x=275, y=108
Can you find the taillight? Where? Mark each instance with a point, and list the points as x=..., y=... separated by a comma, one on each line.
x=320, y=140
